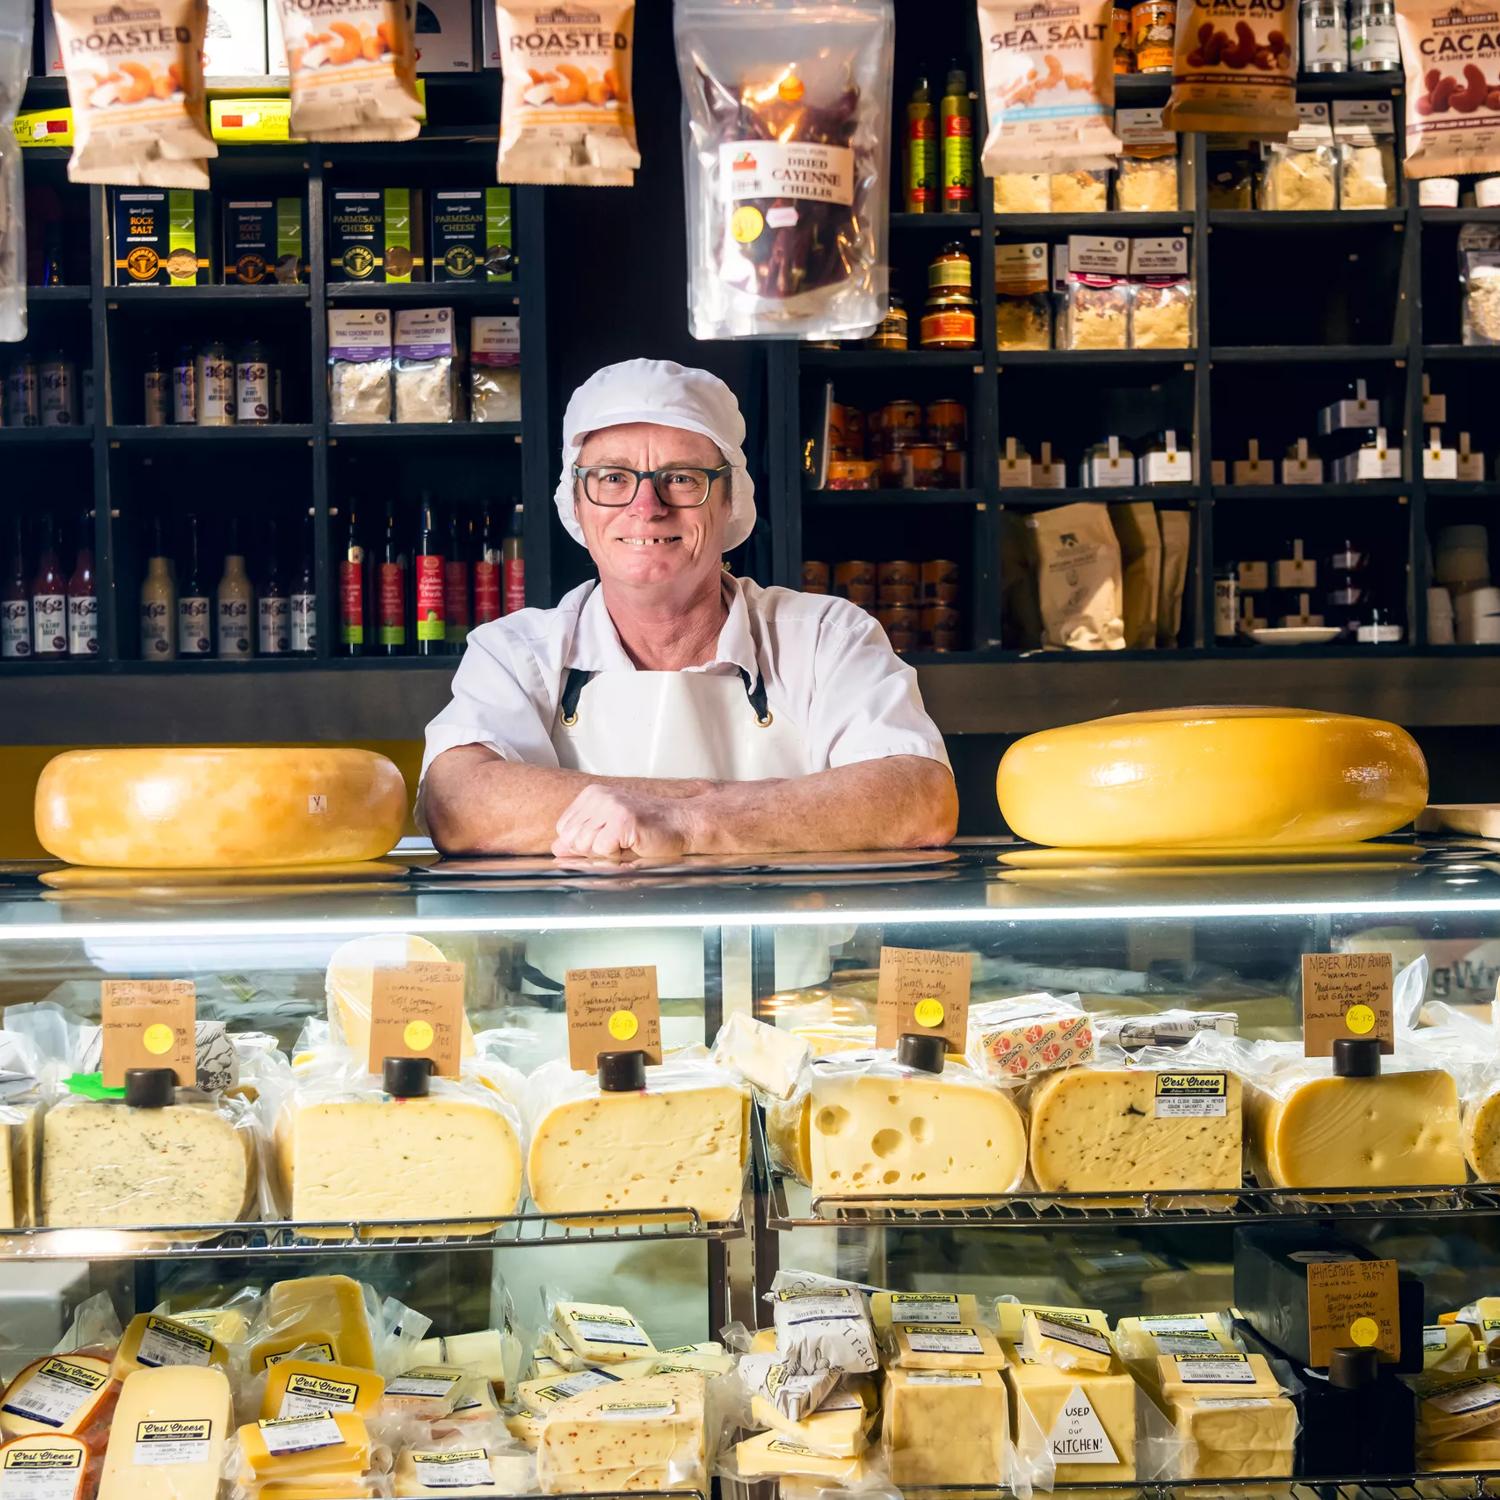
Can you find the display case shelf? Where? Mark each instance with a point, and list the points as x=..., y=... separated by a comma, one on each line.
x=1479, y=1485
x=425, y=292
x=892, y=497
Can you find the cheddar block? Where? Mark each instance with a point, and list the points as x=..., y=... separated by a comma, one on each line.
x=48, y=1465
x=1156, y=1334
x=839, y=1428
x=1455, y=1406
x=1481, y=1136
x=889, y=1308
x=151, y=1340
x=382, y=1160
x=319, y=1311
x=1240, y=1437
x=108, y=1166
x=1011, y=1317
x=642, y=1152
x=1448, y=1347
x=768, y=1059
x=638, y=1434
x=947, y=1346
x=425, y=1393
x=303, y=1388
x=1396, y=1129
x=69, y=1394
x=336, y=1444
x=213, y=807
x=946, y=1427
x=1066, y=1344
x=869, y=1135
x=1223, y=1373
x=226, y=1325
x=349, y=984
x=769, y=1456
x=601, y=1334
x=1115, y=1129
x=1087, y=1420
x=1235, y=778
x=166, y=1441
x=460, y=1471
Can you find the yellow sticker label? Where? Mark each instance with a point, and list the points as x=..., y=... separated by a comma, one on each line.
x=1360, y=1019
x=623, y=1026
x=1364, y=1331
x=418, y=1034
x=158, y=1039
x=928, y=1012
x=747, y=223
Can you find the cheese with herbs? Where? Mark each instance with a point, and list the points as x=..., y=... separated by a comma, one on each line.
x=635, y=1435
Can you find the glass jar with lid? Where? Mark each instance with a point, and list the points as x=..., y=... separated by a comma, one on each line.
x=1373, y=43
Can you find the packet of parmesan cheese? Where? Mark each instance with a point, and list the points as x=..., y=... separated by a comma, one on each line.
x=135, y=81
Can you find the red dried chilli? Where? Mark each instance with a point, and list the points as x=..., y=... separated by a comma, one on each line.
x=788, y=114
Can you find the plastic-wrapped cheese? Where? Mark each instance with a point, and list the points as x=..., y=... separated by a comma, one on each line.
x=1086, y=1420
x=151, y=1340
x=456, y=1472
x=166, y=1441
x=71, y=1394
x=327, y=1314
x=946, y=1427
x=1481, y=1127
x=1229, y=777
x=350, y=984
x=46, y=1465
x=213, y=807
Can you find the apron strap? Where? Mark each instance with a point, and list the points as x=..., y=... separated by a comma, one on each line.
x=578, y=679
x=756, y=693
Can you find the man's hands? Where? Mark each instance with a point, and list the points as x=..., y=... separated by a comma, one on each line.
x=613, y=823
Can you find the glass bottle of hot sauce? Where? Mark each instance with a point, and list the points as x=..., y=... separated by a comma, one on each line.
x=83, y=602
x=49, y=598
x=15, y=602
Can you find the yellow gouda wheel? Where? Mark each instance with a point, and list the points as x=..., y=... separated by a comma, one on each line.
x=209, y=807
x=1229, y=778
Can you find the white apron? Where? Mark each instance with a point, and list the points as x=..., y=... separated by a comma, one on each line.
x=683, y=725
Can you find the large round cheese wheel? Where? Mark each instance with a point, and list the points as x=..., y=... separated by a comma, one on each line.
x=210, y=807
x=1235, y=778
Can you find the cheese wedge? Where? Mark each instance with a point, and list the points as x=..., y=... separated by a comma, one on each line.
x=710, y=1358
x=638, y=1434
x=769, y=1456
x=457, y=1472
x=423, y=1393
x=947, y=1346
x=323, y=1312
x=227, y=1325
x=601, y=1334
x=166, y=1441
x=1066, y=1344
x=763, y=1341
x=838, y=1429
x=541, y=1395
x=71, y=1394
x=946, y=1427
x=550, y=1346
x=336, y=1444
x=482, y=1350
x=1482, y=1318
x=1455, y=1406
x=769, y=1059
x=45, y=1464
x=889, y=1308
x=303, y=1388
x=350, y=984
x=1448, y=1347
x=151, y=1340
x=525, y=1428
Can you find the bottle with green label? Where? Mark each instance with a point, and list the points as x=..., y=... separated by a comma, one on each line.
x=921, y=151
x=957, y=111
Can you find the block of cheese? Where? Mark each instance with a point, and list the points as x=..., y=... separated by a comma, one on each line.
x=662, y=1148
x=889, y=1308
x=46, y=1466
x=770, y=1455
x=476, y=1403
x=1455, y=1406
x=1223, y=1372
x=327, y=1313
x=336, y=1444
x=637, y=1435
x=946, y=1427
x=166, y=1441
x=1449, y=1347
x=763, y=1341
x=349, y=984
x=1010, y=1317
x=769, y=1059
x=1481, y=1135
x=710, y=1358
x=1142, y=1342
x=226, y=1325
x=1067, y=1344
x=61, y=1393
x=213, y=807
x=1028, y=1034
x=1087, y=1421
x=20, y=1125
x=839, y=1427
x=1395, y=1129
x=525, y=1428
x=1482, y=1318
x=458, y=1472
x=1234, y=778
x=1235, y=1437
x=303, y=1387
x=383, y=1159
x=423, y=1393
x=600, y=1334
x=550, y=1346
x=151, y=1340
x=908, y=1133
x=946, y=1346
x=109, y=1166
x=482, y=1351
x=1102, y=1129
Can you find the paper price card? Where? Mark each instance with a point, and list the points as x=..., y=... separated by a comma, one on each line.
x=149, y=1023
x=923, y=992
x=1346, y=994
x=612, y=1010
x=1352, y=1304
x=417, y=1010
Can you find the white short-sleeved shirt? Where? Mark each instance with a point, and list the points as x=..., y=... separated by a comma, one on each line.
x=825, y=663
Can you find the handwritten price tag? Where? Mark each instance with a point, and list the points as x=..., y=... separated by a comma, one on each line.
x=149, y=1023
x=417, y=1010
x=1352, y=1303
x=1346, y=994
x=612, y=1010
x=923, y=991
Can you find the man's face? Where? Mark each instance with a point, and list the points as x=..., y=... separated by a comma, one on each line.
x=647, y=543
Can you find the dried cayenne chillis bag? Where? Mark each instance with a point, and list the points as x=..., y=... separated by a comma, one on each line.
x=135, y=81
x=1451, y=49
x=1049, y=82
x=1235, y=67
x=566, y=115
x=353, y=69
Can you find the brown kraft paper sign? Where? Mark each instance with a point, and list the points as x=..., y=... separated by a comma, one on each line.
x=923, y=992
x=1352, y=1304
x=417, y=1010
x=1346, y=994
x=612, y=1010
x=149, y=1023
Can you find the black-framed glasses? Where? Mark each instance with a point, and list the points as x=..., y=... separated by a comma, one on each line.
x=680, y=486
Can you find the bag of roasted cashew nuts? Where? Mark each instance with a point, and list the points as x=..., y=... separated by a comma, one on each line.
x=135, y=81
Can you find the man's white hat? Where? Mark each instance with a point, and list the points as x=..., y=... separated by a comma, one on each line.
x=671, y=395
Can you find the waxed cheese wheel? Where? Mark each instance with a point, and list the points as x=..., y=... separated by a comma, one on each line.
x=1233, y=778
x=1482, y=1136
x=212, y=807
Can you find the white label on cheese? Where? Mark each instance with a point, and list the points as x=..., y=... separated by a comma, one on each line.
x=321, y=1354
x=1198, y=1096
x=1234, y=1403
x=311, y=1396
x=1173, y=1323
x=300, y=1434
x=601, y=1328
x=180, y=1441
x=817, y=1307
x=1215, y=1369
x=167, y=1343
x=944, y=1377
x=954, y=1340
x=576, y=1385
x=1472, y=1396
x=55, y=1393
x=843, y=1401
x=624, y=1411
x=923, y=1307
x=1078, y=1436
x=1077, y=1334
x=422, y=1385
x=41, y=1474
x=453, y=1470
x=1435, y=1336
x=1185, y=1343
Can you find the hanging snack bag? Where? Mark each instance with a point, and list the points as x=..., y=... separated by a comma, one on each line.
x=135, y=81
x=15, y=63
x=1449, y=49
x=787, y=108
x=354, y=73
x=1235, y=68
x=1049, y=82
x=566, y=111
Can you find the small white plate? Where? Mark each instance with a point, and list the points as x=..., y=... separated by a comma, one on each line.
x=1296, y=635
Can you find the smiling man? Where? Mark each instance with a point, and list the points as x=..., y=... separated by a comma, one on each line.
x=670, y=708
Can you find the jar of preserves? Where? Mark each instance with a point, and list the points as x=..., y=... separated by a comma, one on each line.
x=948, y=422
x=923, y=467
x=893, y=330
x=901, y=424
x=1120, y=32
x=815, y=577
x=949, y=321
x=895, y=574
x=847, y=575
x=951, y=270
x=939, y=580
